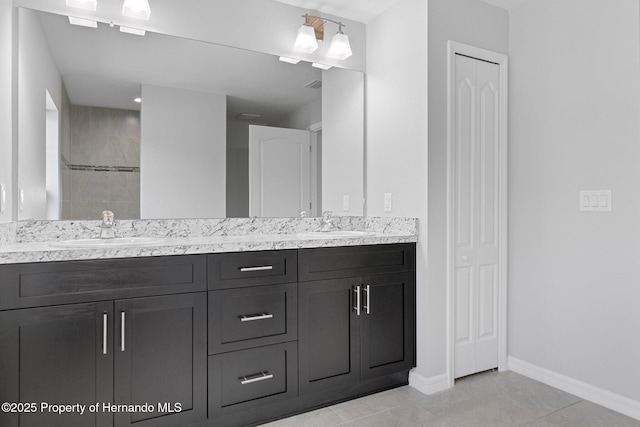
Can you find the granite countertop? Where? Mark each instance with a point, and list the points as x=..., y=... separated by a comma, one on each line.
x=36, y=243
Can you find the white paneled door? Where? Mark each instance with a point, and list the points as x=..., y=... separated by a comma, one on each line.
x=476, y=214
x=279, y=171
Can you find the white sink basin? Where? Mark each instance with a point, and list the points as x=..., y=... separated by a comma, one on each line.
x=336, y=233
x=107, y=243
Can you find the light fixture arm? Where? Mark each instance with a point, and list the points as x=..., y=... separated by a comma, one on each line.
x=339, y=24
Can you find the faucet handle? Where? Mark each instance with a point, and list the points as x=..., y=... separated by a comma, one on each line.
x=302, y=213
x=107, y=217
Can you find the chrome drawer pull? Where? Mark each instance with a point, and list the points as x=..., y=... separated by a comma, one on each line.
x=257, y=317
x=367, y=307
x=104, y=333
x=122, y=328
x=357, y=305
x=261, y=268
x=255, y=378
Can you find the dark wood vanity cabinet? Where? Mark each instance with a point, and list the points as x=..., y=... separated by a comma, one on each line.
x=207, y=340
x=253, y=332
x=160, y=359
x=55, y=354
x=145, y=351
x=355, y=326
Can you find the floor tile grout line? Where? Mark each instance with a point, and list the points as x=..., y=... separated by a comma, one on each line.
x=372, y=414
x=368, y=415
x=552, y=412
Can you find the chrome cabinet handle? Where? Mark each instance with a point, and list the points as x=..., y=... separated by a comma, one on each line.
x=262, y=316
x=122, y=320
x=255, y=378
x=104, y=333
x=367, y=289
x=260, y=268
x=357, y=306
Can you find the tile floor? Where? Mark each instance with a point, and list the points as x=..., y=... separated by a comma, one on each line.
x=490, y=399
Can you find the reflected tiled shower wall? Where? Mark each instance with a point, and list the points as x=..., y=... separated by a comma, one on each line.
x=100, y=162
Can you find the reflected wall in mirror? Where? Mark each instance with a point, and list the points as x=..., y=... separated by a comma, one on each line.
x=86, y=145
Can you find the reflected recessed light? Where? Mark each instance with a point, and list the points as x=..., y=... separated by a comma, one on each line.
x=83, y=22
x=289, y=60
x=83, y=4
x=130, y=30
x=138, y=100
x=321, y=66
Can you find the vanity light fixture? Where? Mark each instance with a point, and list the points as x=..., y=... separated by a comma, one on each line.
x=136, y=9
x=83, y=22
x=313, y=30
x=339, y=47
x=306, y=41
x=289, y=60
x=321, y=66
x=83, y=4
x=130, y=30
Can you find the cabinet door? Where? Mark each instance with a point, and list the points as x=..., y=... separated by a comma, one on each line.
x=161, y=359
x=57, y=355
x=328, y=334
x=388, y=324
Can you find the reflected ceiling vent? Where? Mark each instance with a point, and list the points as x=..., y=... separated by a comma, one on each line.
x=248, y=117
x=314, y=84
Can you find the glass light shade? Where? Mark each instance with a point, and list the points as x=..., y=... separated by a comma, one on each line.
x=339, y=47
x=136, y=9
x=306, y=40
x=83, y=4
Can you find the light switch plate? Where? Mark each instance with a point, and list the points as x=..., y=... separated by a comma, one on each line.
x=345, y=203
x=595, y=201
x=387, y=202
x=20, y=200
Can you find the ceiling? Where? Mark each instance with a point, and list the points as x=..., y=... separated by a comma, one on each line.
x=366, y=10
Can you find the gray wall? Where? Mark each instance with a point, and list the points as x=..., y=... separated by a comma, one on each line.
x=237, y=169
x=37, y=74
x=574, y=277
x=342, y=108
x=183, y=154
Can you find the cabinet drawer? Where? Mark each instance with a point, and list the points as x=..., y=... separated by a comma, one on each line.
x=251, y=317
x=52, y=283
x=244, y=379
x=241, y=269
x=331, y=263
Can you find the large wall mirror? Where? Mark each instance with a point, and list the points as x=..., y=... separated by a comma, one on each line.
x=216, y=132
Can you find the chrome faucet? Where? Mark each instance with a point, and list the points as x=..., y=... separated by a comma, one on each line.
x=327, y=222
x=107, y=230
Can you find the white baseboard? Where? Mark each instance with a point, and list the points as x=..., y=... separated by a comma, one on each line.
x=428, y=385
x=594, y=394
